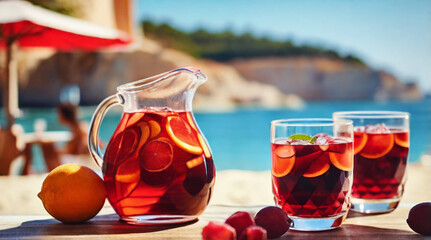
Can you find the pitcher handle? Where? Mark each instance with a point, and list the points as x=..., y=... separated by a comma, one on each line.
x=93, y=130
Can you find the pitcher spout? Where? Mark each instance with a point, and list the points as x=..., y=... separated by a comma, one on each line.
x=200, y=76
x=174, y=90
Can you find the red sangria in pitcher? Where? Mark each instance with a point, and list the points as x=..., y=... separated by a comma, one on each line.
x=157, y=167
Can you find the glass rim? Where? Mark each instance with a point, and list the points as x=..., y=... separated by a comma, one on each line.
x=310, y=122
x=372, y=114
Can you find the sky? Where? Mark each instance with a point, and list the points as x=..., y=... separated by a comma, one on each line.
x=388, y=35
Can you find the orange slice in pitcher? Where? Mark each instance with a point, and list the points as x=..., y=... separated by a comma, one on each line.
x=318, y=167
x=157, y=155
x=145, y=133
x=378, y=145
x=283, y=160
x=181, y=133
x=202, y=141
x=155, y=128
x=402, y=139
x=342, y=160
x=121, y=125
x=124, y=190
x=128, y=172
x=359, y=141
x=204, y=146
x=128, y=143
x=191, y=121
x=194, y=162
x=127, y=178
x=136, y=117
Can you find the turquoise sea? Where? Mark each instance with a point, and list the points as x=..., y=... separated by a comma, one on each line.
x=240, y=139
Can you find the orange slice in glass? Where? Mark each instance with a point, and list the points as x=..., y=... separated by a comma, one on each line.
x=128, y=172
x=359, y=141
x=182, y=135
x=157, y=155
x=284, y=151
x=318, y=167
x=283, y=160
x=302, y=163
x=402, y=139
x=378, y=145
x=342, y=160
x=324, y=147
x=155, y=128
x=282, y=166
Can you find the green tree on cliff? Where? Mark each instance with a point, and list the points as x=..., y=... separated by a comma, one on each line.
x=225, y=46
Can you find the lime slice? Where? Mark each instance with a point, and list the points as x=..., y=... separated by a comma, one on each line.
x=303, y=137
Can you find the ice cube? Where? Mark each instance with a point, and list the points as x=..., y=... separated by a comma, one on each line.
x=299, y=142
x=359, y=129
x=339, y=140
x=377, y=128
x=322, y=139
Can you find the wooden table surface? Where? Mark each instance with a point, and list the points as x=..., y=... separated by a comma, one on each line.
x=107, y=226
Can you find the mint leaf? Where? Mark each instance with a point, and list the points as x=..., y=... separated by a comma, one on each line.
x=302, y=137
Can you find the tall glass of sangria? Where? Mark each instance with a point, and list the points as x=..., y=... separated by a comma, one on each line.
x=311, y=164
x=157, y=167
x=381, y=147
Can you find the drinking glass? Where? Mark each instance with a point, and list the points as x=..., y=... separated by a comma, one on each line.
x=381, y=146
x=311, y=164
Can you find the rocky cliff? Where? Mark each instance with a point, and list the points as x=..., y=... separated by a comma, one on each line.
x=324, y=78
x=44, y=73
x=265, y=82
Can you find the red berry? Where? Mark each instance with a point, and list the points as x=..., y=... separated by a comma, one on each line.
x=419, y=219
x=254, y=233
x=274, y=220
x=216, y=231
x=240, y=221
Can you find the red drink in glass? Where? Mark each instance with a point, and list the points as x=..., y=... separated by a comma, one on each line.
x=312, y=180
x=381, y=146
x=158, y=164
x=380, y=163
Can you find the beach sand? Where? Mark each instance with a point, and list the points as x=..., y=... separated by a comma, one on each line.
x=18, y=194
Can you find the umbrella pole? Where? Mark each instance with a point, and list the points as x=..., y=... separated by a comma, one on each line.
x=6, y=87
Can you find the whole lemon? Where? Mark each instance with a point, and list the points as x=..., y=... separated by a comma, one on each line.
x=72, y=193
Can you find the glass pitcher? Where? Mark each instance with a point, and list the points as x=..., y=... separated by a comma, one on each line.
x=157, y=167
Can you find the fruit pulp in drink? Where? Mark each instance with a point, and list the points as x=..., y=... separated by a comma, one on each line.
x=158, y=163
